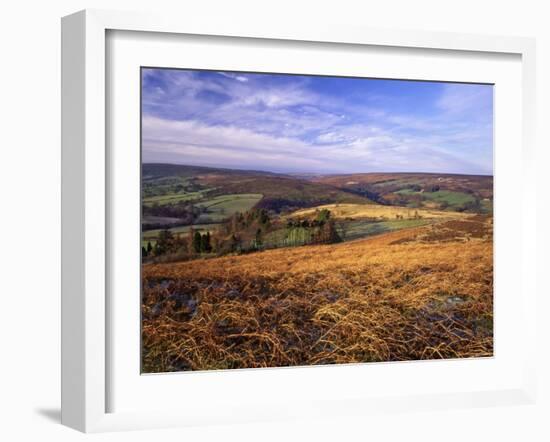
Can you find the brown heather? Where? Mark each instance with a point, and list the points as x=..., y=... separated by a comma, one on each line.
x=424, y=293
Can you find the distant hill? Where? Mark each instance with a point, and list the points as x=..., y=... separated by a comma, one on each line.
x=157, y=170
x=287, y=192
x=279, y=192
x=472, y=193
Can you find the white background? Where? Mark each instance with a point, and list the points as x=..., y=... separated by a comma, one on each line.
x=30, y=222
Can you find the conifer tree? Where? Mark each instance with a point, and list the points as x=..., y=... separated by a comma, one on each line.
x=197, y=242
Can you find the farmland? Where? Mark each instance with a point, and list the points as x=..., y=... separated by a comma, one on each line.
x=469, y=193
x=187, y=199
x=361, y=229
x=180, y=198
x=173, y=198
x=246, y=269
x=221, y=207
x=450, y=198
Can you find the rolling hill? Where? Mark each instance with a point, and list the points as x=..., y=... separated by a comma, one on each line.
x=171, y=182
x=470, y=193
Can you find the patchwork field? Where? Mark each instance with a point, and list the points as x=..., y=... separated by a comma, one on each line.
x=469, y=193
x=179, y=199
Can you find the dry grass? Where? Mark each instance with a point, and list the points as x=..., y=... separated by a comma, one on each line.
x=394, y=297
x=358, y=211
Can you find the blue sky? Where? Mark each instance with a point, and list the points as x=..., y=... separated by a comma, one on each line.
x=296, y=123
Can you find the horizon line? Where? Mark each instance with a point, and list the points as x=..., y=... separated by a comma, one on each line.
x=317, y=173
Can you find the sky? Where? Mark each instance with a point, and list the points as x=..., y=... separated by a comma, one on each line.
x=315, y=124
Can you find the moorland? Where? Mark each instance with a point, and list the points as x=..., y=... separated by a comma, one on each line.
x=249, y=269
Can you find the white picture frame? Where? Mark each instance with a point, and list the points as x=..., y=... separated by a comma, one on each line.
x=85, y=235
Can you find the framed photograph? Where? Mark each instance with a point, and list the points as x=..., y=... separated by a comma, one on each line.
x=275, y=223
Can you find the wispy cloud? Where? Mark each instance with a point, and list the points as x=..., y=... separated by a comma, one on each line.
x=466, y=98
x=318, y=124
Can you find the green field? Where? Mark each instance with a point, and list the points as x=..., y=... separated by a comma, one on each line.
x=174, y=198
x=453, y=199
x=348, y=230
x=221, y=207
x=218, y=209
x=360, y=229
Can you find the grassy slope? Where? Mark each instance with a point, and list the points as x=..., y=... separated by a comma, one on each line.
x=223, y=206
x=360, y=229
x=173, y=198
x=414, y=294
x=355, y=211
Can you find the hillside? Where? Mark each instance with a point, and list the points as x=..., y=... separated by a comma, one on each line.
x=376, y=211
x=281, y=192
x=173, y=191
x=421, y=293
x=226, y=203
x=470, y=193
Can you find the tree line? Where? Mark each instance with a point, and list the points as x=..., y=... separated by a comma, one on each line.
x=246, y=232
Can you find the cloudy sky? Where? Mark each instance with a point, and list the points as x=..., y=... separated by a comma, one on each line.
x=295, y=123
